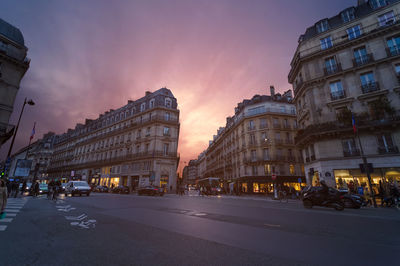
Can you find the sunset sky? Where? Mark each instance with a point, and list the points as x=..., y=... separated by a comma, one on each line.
x=91, y=56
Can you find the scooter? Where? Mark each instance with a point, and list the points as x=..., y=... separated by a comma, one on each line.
x=315, y=197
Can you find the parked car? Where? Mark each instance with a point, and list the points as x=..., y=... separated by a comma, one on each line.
x=101, y=189
x=121, y=190
x=77, y=188
x=151, y=191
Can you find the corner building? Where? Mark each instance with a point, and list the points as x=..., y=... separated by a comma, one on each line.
x=349, y=66
x=256, y=147
x=135, y=145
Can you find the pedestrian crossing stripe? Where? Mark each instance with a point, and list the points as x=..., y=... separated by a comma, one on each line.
x=6, y=220
x=3, y=227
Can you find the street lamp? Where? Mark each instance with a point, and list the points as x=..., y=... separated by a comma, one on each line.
x=30, y=102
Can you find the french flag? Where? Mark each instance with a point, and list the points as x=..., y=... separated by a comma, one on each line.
x=353, y=122
x=33, y=132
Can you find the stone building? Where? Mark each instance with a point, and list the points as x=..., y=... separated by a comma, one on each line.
x=13, y=66
x=135, y=145
x=256, y=147
x=348, y=66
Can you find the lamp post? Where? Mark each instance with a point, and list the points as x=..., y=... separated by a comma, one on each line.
x=30, y=102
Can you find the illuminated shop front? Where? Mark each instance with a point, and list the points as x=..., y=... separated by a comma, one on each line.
x=344, y=177
x=265, y=184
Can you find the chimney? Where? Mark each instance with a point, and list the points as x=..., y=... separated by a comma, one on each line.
x=148, y=93
x=272, y=90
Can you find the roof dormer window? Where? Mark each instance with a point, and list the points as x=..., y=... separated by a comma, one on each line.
x=322, y=26
x=348, y=15
x=152, y=101
x=375, y=4
x=142, y=107
x=168, y=103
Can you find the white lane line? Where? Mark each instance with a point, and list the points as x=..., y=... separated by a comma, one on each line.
x=11, y=214
x=273, y=225
x=6, y=220
x=10, y=210
x=3, y=227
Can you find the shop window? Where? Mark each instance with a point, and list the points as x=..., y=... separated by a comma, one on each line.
x=267, y=169
x=291, y=169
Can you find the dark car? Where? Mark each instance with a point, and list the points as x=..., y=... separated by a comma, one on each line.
x=121, y=190
x=151, y=191
x=101, y=189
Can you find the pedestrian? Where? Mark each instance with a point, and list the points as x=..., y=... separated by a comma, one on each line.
x=23, y=187
x=36, y=189
x=8, y=184
x=381, y=192
x=3, y=198
x=14, y=188
x=50, y=190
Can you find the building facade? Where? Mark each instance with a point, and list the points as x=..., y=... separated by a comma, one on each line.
x=346, y=68
x=256, y=150
x=13, y=66
x=135, y=145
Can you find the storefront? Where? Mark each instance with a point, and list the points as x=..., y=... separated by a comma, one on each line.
x=346, y=178
x=265, y=185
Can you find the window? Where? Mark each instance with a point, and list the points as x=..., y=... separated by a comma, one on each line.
x=326, y=43
x=146, y=148
x=142, y=107
x=291, y=169
x=377, y=3
x=393, y=44
x=139, y=134
x=264, y=137
x=386, y=19
x=167, y=116
x=252, y=139
x=251, y=125
x=330, y=65
x=267, y=169
x=166, y=131
x=397, y=69
x=312, y=152
x=165, y=148
x=337, y=91
x=353, y=32
x=147, y=131
x=263, y=123
x=368, y=83
x=266, y=154
x=168, y=103
x=322, y=26
x=360, y=56
x=152, y=103
x=348, y=15
x=276, y=122
x=385, y=143
x=254, y=170
x=253, y=155
x=349, y=147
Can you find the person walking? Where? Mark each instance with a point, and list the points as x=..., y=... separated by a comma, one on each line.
x=8, y=185
x=23, y=187
x=3, y=198
x=14, y=188
x=36, y=189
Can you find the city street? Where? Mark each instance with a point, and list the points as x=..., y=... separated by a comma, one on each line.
x=106, y=229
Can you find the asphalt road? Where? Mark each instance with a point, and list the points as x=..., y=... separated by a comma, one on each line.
x=108, y=229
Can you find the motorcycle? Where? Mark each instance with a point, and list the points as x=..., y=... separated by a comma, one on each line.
x=314, y=196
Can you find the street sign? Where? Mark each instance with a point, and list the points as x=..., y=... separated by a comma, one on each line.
x=299, y=179
x=273, y=176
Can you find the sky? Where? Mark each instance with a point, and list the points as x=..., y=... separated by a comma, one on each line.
x=89, y=56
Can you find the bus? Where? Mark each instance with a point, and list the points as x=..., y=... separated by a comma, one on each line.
x=210, y=185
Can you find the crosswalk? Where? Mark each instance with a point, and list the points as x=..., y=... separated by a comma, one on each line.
x=14, y=205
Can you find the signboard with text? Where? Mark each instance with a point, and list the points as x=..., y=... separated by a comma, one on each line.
x=23, y=167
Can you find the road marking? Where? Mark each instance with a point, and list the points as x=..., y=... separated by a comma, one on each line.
x=78, y=218
x=6, y=220
x=273, y=225
x=11, y=210
x=3, y=227
x=200, y=214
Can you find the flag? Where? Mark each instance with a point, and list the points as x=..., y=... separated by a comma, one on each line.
x=33, y=132
x=353, y=122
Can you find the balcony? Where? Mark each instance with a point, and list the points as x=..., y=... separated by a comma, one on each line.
x=392, y=51
x=337, y=95
x=362, y=60
x=388, y=149
x=277, y=126
x=291, y=158
x=251, y=128
x=280, y=157
x=312, y=157
x=370, y=87
x=350, y=153
x=332, y=69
